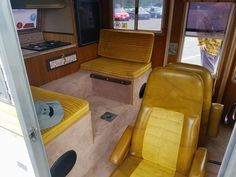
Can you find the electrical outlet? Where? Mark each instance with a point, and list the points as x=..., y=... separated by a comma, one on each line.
x=173, y=48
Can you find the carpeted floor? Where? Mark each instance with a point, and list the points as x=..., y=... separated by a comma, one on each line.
x=106, y=134
x=216, y=149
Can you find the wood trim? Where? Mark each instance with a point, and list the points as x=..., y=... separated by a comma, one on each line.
x=168, y=36
x=226, y=63
x=72, y=7
x=183, y=32
x=161, y=40
x=228, y=71
x=60, y=37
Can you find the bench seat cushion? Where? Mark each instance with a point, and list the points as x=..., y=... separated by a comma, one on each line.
x=116, y=68
x=74, y=110
x=123, y=45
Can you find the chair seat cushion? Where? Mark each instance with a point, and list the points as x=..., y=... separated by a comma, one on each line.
x=74, y=109
x=149, y=169
x=116, y=68
x=132, y=163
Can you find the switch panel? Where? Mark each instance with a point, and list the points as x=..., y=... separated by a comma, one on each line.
x=61, y=61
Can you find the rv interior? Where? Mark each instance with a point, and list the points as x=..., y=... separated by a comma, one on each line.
x=137, y=100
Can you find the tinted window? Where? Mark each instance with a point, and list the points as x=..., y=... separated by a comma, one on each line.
x=208, y=17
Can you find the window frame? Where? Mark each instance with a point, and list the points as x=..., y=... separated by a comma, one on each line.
x=136, y=7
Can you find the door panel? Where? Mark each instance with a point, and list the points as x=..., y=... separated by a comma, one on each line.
x=21, y=113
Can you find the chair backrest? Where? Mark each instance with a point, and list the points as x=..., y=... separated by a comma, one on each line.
x=207, y=98
x=179, y=91
x=126, y=45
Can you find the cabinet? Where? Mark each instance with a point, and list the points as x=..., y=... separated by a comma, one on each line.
x=39, y=73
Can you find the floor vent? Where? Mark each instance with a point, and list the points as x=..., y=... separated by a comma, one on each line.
x=108, y=116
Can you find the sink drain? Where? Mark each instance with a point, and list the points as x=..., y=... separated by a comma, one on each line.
x=108, y=116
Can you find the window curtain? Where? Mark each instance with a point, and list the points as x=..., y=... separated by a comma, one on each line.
x=210, y=0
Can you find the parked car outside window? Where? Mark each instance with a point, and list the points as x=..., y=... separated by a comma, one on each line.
x=121, y=15
x=142, y=14
x=156, y=12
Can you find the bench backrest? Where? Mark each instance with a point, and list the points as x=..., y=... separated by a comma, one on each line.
x=126, y=45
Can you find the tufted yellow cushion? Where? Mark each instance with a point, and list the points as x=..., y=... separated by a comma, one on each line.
x=126, y=45
x=161, y=144
x=117, y=68
x=131, y=163
x=149, y=169
x=74, y=110
x=162, y=137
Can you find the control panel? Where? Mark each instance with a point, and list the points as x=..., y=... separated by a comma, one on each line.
x=61, y=61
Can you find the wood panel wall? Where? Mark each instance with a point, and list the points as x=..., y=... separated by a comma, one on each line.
x=230, y=91
x=159, y=49
x=177, y=27
x=60, y=37
x=87, y=53
x=37, y=70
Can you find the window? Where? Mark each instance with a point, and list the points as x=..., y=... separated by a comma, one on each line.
x=138, y=14
x=25, y=19
x=205, y=32
x=208, y=17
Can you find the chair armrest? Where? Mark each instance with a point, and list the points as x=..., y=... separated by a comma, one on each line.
x=122, y=148
x=214, y=119
x=198, y=168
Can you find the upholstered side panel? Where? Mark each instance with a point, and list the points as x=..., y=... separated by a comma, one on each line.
x=127, y=167
x=207, y=99
x=179, y=91
x=126, y=45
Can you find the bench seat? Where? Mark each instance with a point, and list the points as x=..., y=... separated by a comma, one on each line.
x=116, y=68
x=74, y=110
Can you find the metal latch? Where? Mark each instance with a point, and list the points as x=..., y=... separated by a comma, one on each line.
x=33, y=134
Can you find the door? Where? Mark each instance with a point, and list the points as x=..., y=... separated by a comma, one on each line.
x=22, y=152
x=205, y=33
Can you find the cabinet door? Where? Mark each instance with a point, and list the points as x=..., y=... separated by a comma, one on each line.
x=38, y=70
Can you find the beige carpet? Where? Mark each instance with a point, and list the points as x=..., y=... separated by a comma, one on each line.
x=216, y=149
x=106, y=134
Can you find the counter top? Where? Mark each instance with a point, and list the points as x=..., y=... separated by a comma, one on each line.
x=30, y=53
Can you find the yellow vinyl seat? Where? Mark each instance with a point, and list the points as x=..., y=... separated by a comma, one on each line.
x=116, y=68
x=210, y=111
x=122, y=54
x=163, y=142
x=74, y=110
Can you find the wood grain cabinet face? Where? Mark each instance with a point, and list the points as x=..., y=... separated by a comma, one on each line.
x=39, y=73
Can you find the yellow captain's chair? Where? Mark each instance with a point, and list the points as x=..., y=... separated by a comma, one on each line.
x=163, y=142
x=211, y=112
